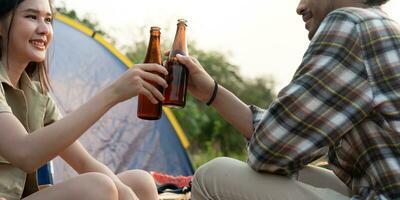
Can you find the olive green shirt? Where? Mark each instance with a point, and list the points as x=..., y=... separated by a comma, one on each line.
x=34, y=110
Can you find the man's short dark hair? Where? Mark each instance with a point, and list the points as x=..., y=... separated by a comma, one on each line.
x=375, y=2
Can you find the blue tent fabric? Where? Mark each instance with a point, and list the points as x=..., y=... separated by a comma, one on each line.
x=80, y=67
x=163, y=133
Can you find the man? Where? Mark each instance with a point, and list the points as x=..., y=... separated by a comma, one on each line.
x=343, y=100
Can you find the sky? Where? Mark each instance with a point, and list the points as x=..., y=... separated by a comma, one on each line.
x=265, y=38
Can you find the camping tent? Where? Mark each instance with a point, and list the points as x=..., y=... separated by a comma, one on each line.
x=82, y=63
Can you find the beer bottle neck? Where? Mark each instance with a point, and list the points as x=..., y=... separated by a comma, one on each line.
x=153, y=54
x=180, y=44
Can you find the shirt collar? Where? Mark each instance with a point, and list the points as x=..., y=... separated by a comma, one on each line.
x=25, y=80
x=3, y=75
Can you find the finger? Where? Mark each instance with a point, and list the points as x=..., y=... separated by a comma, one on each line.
x=154, y=68
x=149, y=96
x=148, y=76
x=189, y=62
x=184, y=59
x=154, y=91
x=195, y=60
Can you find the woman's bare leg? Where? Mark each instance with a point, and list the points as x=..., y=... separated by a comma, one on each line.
x=86, y=186
x=141, y=182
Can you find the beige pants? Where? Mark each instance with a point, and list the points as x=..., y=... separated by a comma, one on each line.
x=230, y=179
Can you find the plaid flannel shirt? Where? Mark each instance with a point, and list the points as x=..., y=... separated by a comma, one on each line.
x=344, y=99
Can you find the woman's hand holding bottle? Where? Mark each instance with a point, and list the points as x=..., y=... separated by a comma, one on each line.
x=135, y=81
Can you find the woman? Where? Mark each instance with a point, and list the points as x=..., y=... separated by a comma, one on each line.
x=31, y=132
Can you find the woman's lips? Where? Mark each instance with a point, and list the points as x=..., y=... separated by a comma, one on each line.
x=38, y=44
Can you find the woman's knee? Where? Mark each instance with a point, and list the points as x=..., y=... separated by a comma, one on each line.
x=136, y=178
x=86, y=186
x=141, y=182
x=98, y=186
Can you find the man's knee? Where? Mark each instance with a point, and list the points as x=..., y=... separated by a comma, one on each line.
x=213, y=166
x=206, y=176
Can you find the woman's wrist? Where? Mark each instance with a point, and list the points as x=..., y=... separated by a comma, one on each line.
x=109, y=96
x=105, y=98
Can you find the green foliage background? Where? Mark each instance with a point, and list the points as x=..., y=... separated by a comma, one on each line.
x=209, y=134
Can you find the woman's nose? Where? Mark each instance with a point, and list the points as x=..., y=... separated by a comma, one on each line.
x=44, y=28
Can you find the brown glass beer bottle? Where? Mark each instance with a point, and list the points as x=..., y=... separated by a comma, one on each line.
x=146, y=109
x=178, y=75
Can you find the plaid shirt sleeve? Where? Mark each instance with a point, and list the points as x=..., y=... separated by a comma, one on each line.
x=327, y=97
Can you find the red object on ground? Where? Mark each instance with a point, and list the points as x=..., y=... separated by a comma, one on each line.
x=180, y=181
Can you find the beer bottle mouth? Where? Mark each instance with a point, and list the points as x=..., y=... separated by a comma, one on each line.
x=155, y=28
x=182, y=21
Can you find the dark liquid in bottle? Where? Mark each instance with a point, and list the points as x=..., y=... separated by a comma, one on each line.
x=148, y=110
x=177, y=79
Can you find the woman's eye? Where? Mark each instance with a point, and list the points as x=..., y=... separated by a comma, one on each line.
x=49, y=20
x=31, y=16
